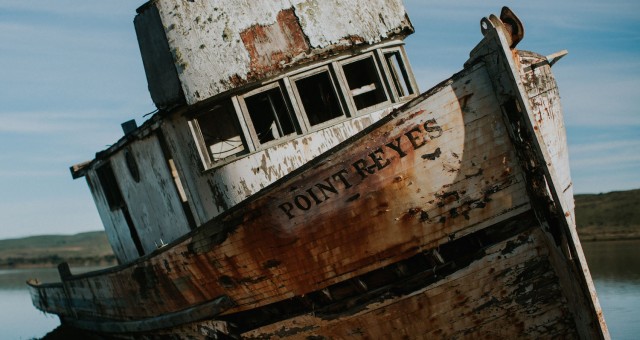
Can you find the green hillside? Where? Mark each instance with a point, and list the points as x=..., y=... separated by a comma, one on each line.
x=614, y=215
x=90, y=248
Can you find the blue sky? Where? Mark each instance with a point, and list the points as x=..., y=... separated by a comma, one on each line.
x=71, y=73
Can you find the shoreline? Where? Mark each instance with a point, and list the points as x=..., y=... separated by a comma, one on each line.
x=609, y=233
x=30, y=263
x=109, y=261
x=607, y=237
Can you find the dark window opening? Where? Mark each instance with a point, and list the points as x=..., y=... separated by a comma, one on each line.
x=132, y=230
x=269, y=114
x=221, y=131
x=132, y=165
x=399, y=74
x=319, y=98
x=110, y=186
x=364, y=83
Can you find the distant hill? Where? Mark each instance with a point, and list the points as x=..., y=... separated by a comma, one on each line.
x=84, y=249
x=614, y=215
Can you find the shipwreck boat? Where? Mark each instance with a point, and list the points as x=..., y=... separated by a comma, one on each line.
x=295, y=184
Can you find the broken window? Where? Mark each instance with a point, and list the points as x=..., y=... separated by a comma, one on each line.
x=365, y=85
x=319, y=98
x=221, y=132
x=269, y=114
x=399, y=74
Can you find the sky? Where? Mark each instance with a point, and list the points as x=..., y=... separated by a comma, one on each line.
x=71, y=74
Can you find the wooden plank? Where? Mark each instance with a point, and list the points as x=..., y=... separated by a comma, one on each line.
x=476, y=302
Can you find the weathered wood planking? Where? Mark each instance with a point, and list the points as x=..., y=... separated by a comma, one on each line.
x=412, y=203
x=512, y=291
x=159, y=216
x=455, y=196
x=214, y=191
x=546, y=181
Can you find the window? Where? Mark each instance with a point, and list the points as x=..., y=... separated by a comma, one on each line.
x=221, y=131
x=318, y=97
x=269, y=114
x=110, y=186
x=399, y=74
x=303, y=100
x=364, y=83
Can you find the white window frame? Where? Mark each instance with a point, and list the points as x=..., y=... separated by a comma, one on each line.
x=249, y=123
x=337, y=91
x=203, y=148
x=348, y=92
x=408, y=72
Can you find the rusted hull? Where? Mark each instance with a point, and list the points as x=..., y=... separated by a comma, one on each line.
x=443, y=219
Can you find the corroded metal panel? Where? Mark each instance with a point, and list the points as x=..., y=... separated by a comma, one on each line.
x=219, y=45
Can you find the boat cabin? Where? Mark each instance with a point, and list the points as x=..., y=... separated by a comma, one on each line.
x=245, y=95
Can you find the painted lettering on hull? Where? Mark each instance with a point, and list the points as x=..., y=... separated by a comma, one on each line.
x=361, y=169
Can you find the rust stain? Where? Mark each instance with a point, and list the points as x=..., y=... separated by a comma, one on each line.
x=273, y=45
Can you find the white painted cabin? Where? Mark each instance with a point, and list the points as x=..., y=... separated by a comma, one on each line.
x=246, y=93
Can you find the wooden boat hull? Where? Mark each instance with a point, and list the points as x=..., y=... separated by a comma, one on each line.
x=446, y=218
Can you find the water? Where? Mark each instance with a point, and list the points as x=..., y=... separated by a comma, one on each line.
x=615, y=267
x=18, y=318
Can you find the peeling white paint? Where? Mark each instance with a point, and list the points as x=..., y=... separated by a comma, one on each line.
x=231, y=184
x=153, y=201
x=205, y=36
x=329, y=22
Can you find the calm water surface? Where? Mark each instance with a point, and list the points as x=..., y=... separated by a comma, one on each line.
x=615, y=267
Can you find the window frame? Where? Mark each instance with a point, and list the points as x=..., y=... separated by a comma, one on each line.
x=244, y=110
x=339, y=67
x=286, y=83
x=335, y=83
x=407, y=72
x=201, y=144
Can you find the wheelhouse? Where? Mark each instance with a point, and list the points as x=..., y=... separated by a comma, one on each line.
x=244, y=98
x=303, y=101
